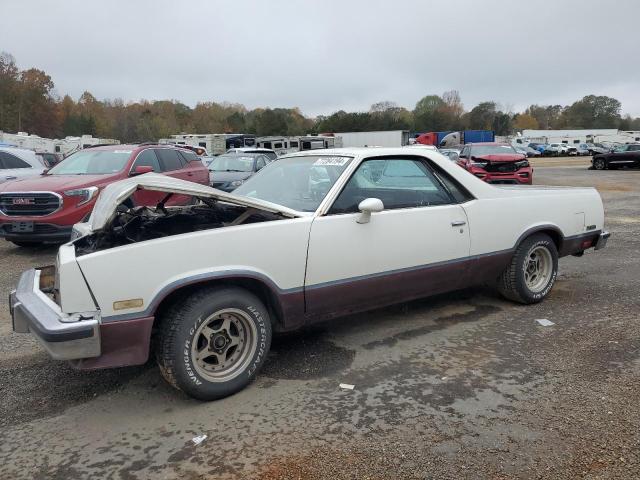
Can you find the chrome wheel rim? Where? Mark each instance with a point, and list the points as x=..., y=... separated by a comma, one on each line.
x=538, y=268
x=599, y=164
x=223, y=345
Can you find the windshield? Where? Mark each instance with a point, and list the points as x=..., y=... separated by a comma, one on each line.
x=92, y=162
x=480, y=150
x=232, y=163
x=299, y=183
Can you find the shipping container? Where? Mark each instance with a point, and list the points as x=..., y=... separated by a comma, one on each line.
x=391, y=138
x=478, y=136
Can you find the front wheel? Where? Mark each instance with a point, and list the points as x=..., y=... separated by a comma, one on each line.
x=532, y=271
x=213, y=343
x=599, y=164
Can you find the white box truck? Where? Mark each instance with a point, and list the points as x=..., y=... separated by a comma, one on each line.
x=390, y=138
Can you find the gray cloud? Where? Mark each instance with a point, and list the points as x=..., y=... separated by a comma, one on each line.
x=331, y=54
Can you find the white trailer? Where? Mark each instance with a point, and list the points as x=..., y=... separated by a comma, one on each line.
x=69, y=145
x=390, y=138
x=214, y=143
x=29, y=142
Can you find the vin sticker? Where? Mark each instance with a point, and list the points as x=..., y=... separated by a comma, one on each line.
x=336, y=161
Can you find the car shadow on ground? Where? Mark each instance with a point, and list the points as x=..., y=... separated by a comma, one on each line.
x=312, y=352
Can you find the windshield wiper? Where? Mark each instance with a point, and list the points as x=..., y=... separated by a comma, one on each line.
x=229, y=170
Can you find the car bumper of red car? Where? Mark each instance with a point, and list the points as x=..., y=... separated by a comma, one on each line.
x=523, y=176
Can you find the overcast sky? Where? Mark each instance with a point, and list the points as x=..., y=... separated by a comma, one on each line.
x=328, y=55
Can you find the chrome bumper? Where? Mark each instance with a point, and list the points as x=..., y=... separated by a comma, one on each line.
x=602, y=240
x=64, y=337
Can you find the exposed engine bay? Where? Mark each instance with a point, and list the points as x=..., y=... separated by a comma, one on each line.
x=132, y=225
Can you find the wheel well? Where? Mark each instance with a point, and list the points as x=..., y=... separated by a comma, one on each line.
x=258, y=288
x=555, y=235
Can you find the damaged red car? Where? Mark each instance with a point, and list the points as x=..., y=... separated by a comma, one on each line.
x=497, y=163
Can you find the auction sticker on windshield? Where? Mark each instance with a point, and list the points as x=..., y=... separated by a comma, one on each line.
x=337, y=161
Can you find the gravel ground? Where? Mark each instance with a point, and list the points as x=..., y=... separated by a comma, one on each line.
x=464, y=385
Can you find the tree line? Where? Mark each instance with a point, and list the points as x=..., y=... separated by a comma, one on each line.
x=28, y=102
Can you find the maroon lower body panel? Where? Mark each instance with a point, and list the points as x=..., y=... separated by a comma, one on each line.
x=366, y=293
x=122, y=343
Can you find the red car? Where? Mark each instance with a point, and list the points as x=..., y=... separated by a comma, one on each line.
x=496, y=163
x=43, y=209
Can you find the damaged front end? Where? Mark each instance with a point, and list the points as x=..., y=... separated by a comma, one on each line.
x=113, y=224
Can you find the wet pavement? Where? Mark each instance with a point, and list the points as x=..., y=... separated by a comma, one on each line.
x=463, y=385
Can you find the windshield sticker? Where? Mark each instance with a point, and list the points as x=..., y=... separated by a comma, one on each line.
x=122, y=151
x=336, y=161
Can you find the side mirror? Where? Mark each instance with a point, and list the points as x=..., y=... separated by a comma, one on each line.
x=367, y=207
x=141, y=170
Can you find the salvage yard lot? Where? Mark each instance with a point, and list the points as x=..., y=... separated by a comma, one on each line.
x=464, y=385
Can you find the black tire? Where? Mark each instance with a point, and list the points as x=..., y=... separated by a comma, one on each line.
x=600, y=164
x=26, y=244
x=512, y=283
x=180, y=332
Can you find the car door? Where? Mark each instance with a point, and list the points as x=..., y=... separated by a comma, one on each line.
x=415, y=247
x=147, y=158
x=172, y=164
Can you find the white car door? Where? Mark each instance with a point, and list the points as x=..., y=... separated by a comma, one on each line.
x=418, y=245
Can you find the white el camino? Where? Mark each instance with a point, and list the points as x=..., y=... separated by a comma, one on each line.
x=312, y=236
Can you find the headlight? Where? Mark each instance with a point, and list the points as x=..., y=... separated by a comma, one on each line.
x=522, y=164
x=237, y=183
x=85, y=194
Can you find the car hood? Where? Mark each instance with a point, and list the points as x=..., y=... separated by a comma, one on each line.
x=501, y=157
x=228, y=176
x=115, y=193
x=56, y=183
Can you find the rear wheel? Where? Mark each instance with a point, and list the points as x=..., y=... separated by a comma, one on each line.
x=599, y=164
x=213, y=343
x=532, y=271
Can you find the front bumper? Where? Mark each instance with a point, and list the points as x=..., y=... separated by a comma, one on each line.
x=64, y=337
x=42, y=233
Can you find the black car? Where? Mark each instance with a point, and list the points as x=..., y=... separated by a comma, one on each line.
x=624, y=156
x=228, y=171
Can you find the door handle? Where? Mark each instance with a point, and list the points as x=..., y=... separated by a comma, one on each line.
x=458, y=223
x=11, y=178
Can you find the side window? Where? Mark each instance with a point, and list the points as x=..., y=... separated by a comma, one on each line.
x=189, y=156
x=398, y=182
x=147, y=158
x=294, y=144
x=260, y=163
x=169, y=159
x=465, y=152
x=11, y=161
x=277, y=145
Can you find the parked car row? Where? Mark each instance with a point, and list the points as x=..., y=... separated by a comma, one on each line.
x=565, y=149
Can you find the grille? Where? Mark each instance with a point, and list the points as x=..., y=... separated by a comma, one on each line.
x=501, y=167
x=29, y=203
